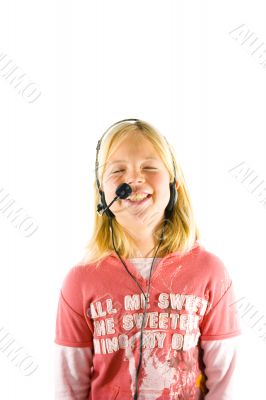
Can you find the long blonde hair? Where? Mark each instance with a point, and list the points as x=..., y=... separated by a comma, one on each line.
x=181, y=230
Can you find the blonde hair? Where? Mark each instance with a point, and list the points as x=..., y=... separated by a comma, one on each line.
x=181, y=230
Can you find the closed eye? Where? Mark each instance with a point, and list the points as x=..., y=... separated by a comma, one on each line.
x=121, y=170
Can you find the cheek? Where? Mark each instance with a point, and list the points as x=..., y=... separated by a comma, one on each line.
x=162, y=184
x=109, y=187
x=163, y=189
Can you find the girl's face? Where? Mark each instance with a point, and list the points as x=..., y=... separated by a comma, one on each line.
x=142, y=168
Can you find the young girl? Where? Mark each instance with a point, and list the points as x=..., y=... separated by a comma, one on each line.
x=148, y=313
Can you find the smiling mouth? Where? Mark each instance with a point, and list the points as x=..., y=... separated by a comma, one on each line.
x=137, y=202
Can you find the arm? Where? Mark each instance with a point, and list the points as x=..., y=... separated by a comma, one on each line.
x=72, y=372
x=73, y=342
x=220, y=333
x=220, y=360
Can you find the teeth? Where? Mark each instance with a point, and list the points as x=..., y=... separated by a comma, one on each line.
x=137, y=197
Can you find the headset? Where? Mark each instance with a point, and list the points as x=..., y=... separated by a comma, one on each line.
x=126, y=190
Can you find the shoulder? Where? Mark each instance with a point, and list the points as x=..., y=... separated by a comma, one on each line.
x=73, y=287
x=84, y=274
x=77, y=275
x=211, y=266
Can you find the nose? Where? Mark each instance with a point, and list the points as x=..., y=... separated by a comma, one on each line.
x=135, y=177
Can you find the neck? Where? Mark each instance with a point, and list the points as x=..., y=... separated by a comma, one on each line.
x=144, y=255
x=144, y=242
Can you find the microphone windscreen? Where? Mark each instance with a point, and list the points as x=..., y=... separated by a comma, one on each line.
x=123, y=191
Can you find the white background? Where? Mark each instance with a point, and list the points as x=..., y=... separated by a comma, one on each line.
x=172, y=63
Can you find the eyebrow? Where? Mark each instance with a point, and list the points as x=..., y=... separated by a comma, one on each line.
x=146, y=158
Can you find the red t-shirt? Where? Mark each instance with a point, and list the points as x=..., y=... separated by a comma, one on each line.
x=190, y=301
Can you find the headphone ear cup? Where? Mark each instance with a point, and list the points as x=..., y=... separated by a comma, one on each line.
x=108, y=212
x=173, y=198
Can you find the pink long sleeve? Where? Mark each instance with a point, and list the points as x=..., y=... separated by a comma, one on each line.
x=72, y=372
x=220, y=360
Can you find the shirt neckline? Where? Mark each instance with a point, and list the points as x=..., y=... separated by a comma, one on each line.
x=144, y=258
